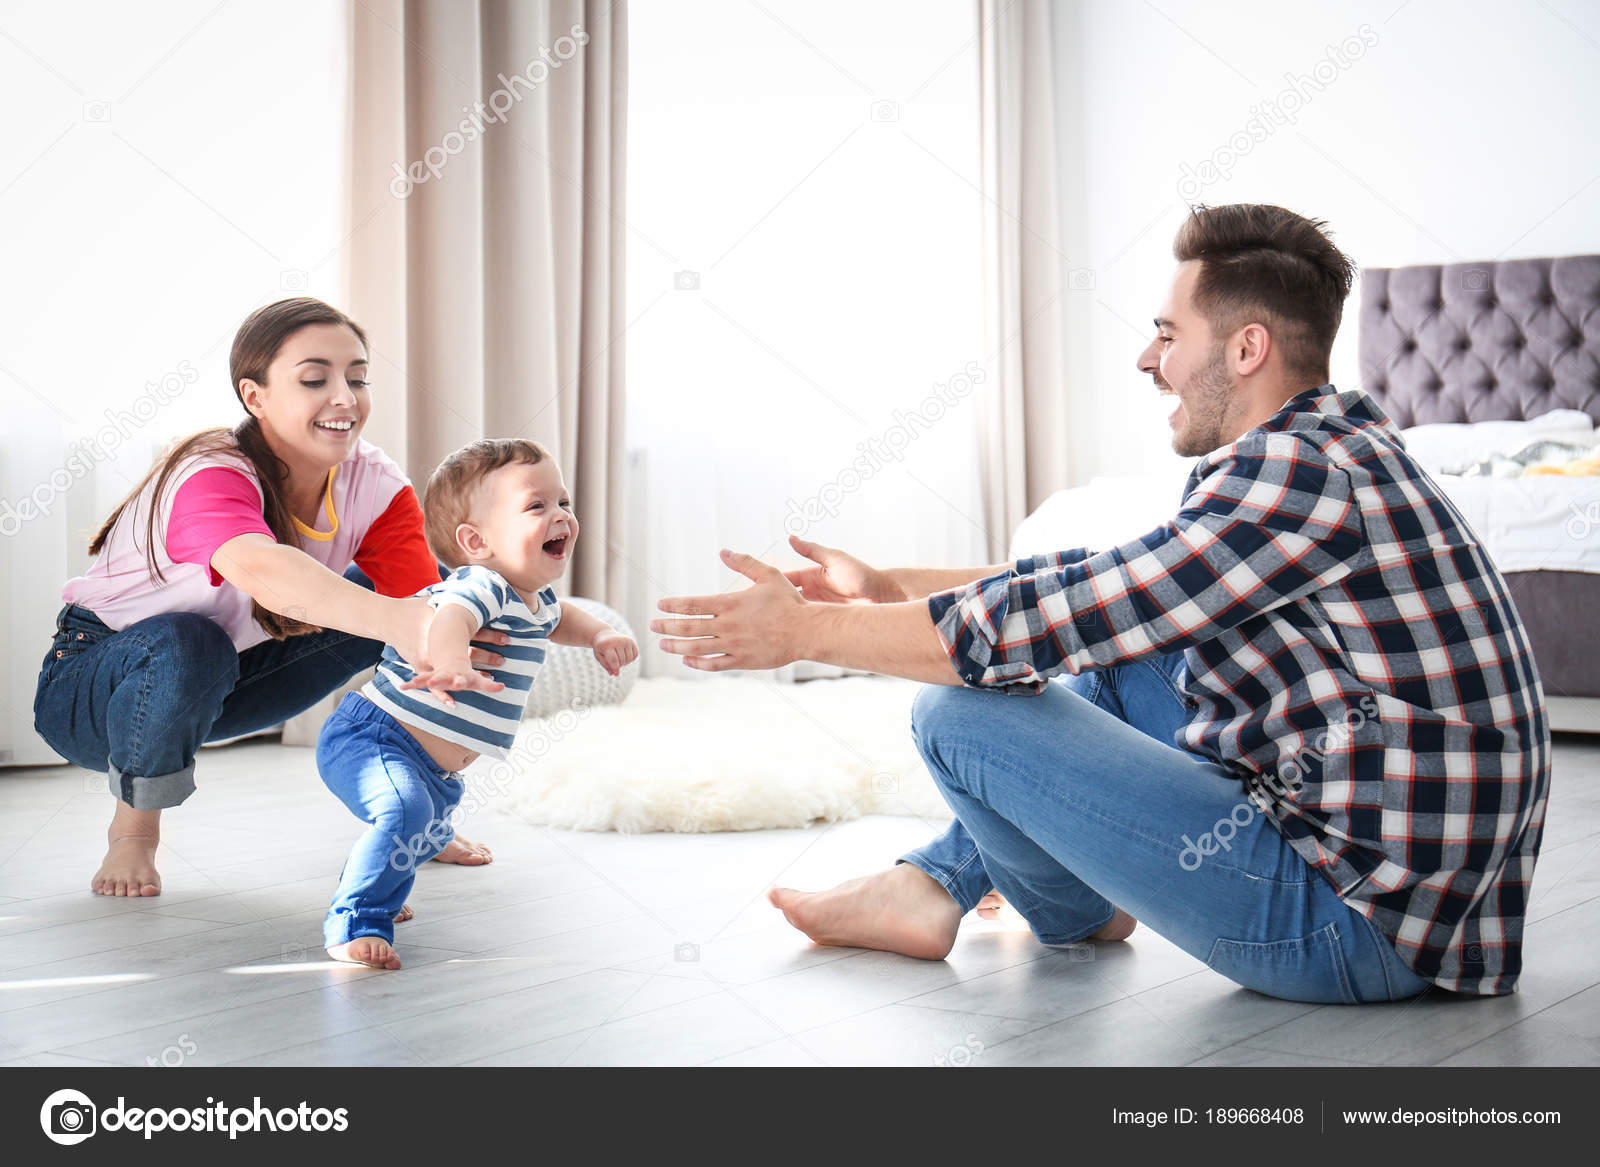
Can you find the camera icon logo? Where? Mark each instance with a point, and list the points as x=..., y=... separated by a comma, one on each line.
x=97, y=111
x=686, y=281
x=68, y=1117
x=1081, y=279
x=883, y=783
x=686, y=953
x=94, y=783
x=886, y=111
x=1475, y=279
x=294, y=280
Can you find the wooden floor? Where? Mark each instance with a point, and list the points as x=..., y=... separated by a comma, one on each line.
x=582, y=949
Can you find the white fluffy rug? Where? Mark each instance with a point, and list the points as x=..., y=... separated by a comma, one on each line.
x=723, y=754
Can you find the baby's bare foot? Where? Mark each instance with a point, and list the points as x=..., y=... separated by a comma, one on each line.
x=129, y=868
x=464, y=852
x=405, y=913
x=368, y=950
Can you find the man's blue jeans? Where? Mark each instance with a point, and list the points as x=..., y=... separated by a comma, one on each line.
x=1076, y=800
x=137, y=704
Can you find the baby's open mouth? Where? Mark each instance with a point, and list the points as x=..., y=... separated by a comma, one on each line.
x=557, y=548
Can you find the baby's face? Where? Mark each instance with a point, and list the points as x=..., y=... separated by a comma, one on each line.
x=525, y=517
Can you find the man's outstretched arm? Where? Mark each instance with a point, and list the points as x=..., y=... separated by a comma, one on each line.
x=770, y=624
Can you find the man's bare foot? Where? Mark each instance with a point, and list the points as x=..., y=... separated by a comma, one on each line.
x=993, y=906
x=900, y=910
x=405, y=913
x=129, y=868
x=1120, y=928
x=464, y=852
x=368, y=950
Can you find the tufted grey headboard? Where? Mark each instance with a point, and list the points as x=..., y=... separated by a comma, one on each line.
x=1482, y=341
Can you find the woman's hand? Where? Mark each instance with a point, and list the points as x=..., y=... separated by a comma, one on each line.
x=409, y=635
x=442, y=680
x=838, y=578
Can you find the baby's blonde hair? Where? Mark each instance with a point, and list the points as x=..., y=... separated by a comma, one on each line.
x=447, y=501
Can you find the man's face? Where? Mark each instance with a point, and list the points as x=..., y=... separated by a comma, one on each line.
x=1187, y=362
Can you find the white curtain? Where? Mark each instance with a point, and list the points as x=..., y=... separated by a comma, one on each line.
x=1023, y=436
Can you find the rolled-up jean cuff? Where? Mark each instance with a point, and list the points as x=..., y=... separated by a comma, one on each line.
x=949, y=880
x=154, y=791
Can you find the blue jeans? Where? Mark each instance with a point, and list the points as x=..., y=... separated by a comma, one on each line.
x=137, y=704
x=1076, y=800
x=388, y=780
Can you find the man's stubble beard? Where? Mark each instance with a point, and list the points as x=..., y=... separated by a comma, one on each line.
x=1210, y=393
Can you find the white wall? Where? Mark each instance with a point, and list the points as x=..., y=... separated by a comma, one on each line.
x=168, y=169
x=1460, y=131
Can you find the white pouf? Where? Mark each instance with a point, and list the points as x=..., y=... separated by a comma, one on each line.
x=571, y=676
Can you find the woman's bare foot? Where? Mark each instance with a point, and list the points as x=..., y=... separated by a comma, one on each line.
x=464, y=852
x=993, y=905
x=368, y=950
x=900, y=910
x=405, y=913
x=129, y=868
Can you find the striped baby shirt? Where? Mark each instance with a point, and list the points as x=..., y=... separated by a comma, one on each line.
x=486, y=722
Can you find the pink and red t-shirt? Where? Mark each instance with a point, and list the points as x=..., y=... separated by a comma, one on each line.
x=370, y=517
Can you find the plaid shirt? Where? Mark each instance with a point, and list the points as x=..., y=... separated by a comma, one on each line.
x=1353, y=656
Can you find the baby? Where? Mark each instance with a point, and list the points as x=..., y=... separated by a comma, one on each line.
x=498, y=512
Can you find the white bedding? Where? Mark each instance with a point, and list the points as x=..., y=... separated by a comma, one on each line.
x=1542, y=523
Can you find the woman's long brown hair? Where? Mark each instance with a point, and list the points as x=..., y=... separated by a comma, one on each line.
x=255, y=346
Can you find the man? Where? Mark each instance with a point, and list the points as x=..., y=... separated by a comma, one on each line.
x=1298, y=729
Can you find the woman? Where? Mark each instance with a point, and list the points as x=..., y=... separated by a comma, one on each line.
x=251, y=573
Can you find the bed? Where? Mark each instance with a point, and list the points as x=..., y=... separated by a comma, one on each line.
x=1469, y=360
x=1452, y=347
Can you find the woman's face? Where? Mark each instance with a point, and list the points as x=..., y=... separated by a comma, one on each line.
x=315, y=400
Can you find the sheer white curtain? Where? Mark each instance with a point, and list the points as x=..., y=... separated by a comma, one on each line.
x=805, y=288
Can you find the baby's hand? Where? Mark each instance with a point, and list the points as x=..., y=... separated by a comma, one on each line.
x=441, y=680
x=614, y=650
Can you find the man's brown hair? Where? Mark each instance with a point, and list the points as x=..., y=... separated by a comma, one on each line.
x=1261, y=263
x=447, y=501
